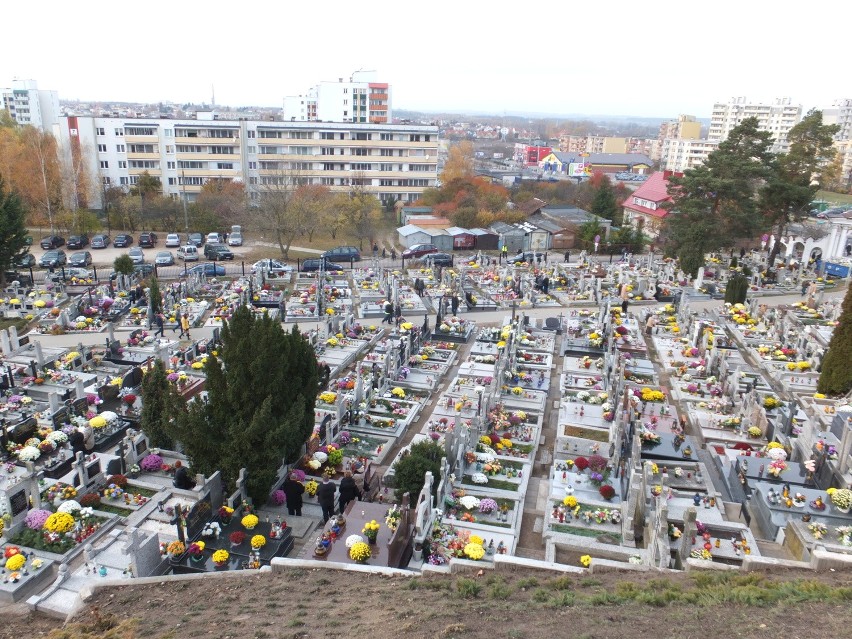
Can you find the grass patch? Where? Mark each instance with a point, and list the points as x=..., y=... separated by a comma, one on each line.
x=468, y=588
x=590, y=582
x=493, y=482
x=528, y=582
x=561, y=583
x=561, y=600
x=499, y=591
x=115, y=509
x=540, y=595
x=834, y=198
x=576, y=530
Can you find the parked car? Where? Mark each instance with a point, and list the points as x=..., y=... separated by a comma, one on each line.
x=315, y=265
x=52, y=242
x=100, y=241
x=27, y=260
x=52, y=259
x=188, y=253
x=195, y=238
x=343, y=254
x=419, y=250
x=164, y=258
x=271, y=267
x=143, y=270
x=81, y=258
x=172, y=240
x=137, y=255
x=148, y=240
x=123, y=240
x=214, y=237
x=78, y=241
x=528, y=257
x=217, y=252
x=439, y=259
x=235, y=239
x=209, y=269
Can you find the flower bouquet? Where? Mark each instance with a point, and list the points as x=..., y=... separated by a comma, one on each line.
x=393, y=517
x=371, y=531
x=841, y=498
x=360, y=552
x=225, y=514
x=237, y=538
x=258, y=542
x=175, y=549
x=220, y=558
x=196, y=550
x=249, y=521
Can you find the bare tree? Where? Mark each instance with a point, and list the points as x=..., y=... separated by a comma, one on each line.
x=277, y=213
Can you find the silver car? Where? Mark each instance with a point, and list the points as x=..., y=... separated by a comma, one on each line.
x=164, y=258
x=136, y=255
x=172, y=240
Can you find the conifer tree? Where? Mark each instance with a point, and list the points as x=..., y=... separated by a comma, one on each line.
x=836, y=375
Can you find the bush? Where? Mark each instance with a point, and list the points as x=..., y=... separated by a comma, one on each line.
x=411, y=469
x=119, y=480
x=607, y=492
x=90, y=500
x=468, y=588
x=582, y=463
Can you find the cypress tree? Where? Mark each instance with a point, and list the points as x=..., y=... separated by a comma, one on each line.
x=160, y=407
x=836, y=375
x=737, y=289
x=156, y=296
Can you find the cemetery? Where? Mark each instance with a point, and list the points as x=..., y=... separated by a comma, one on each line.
x=613, y=417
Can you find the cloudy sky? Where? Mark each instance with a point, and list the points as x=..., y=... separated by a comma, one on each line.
x=655, y=58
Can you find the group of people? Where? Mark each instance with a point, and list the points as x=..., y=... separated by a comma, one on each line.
x=349, y=491
x=392, y=312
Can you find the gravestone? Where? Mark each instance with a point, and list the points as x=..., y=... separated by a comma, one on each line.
x=143, y=552
x=198, y=516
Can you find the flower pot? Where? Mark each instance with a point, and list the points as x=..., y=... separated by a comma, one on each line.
x=197, y=558
x=845, y=511
x=249, y=527
x=221, y=564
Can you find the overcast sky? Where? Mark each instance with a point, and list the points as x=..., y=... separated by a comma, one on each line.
x=655, y=58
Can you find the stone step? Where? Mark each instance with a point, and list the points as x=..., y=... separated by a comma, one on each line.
x=61, y=604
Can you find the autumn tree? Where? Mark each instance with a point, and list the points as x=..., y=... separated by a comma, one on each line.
x=13, y=232
x=30, y=163
x=223, y=201
x=715, y=205
x=466, y=200
x=459, y=164
x=798, y=174
x=312, y=203
x=276, y=214
x=362, y=211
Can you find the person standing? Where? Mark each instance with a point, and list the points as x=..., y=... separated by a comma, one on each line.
x=88, y=438
x=349, y=491
x=325, y=496
x=293, y=490
x=454, y=301
x=77, y=442
x=504, y=252
x=388, y=312
x=567, y=256
x=160, y=325
x=397, y=312
x=375, y=250
x=182, y=479
x=184, y=325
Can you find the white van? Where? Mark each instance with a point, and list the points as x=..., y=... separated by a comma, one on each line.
x=188, y=253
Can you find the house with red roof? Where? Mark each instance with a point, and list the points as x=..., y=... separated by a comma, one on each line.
x=643, y=209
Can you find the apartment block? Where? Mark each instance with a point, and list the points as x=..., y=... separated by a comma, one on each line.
x=685, y=127
x=360, y=100
x=681, y=154
x=776, y=118
x=27, y=104
x=393, y=162
x=843, y=109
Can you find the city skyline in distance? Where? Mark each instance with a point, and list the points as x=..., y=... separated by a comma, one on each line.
x=653, y=61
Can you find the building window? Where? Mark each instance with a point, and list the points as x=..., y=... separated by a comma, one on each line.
x=144, y=164
x=172, y=181
x=300, y=135
x=387, y=137
x=102, y=148
x=119, y=132
x=251, y=134
x=191, y=164
x=189, y=148
x=362, y=136
x=252, y=165
x=225, y=165
x=413, y=138
x=170, y=165
x=100, y=131
x=361, y=166
x=122, y=164
x=222, y=150
x=169, y=133
x=120, y=148
x=123, y=181
x=136, y=130
x=106, y=180
x=359, y=152
x=142, y=148
x=252, y=149
x=170, y=148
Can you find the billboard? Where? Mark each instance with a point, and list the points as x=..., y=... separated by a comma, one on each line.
x=579, y=170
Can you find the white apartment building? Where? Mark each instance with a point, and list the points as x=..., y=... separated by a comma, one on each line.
x=680, y=154
x=394, y=162
x=360, y=100
x=844, y=119
x=776, y=118
x=29, y=105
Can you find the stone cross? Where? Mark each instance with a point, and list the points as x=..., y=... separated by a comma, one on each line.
x=79, y=464
x=241, y=484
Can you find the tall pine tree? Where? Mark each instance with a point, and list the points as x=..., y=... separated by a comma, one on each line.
x=13, y=232
x=161, y=405
x=715, y=205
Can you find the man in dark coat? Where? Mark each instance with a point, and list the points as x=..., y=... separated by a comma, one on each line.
x=325, y=496
x=349, y=491
x=293, y=490
x=182, y=478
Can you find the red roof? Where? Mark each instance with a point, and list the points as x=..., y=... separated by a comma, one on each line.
x=654, y=189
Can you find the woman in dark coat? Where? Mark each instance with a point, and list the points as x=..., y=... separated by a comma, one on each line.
x=294, y=490
x=348, y=491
